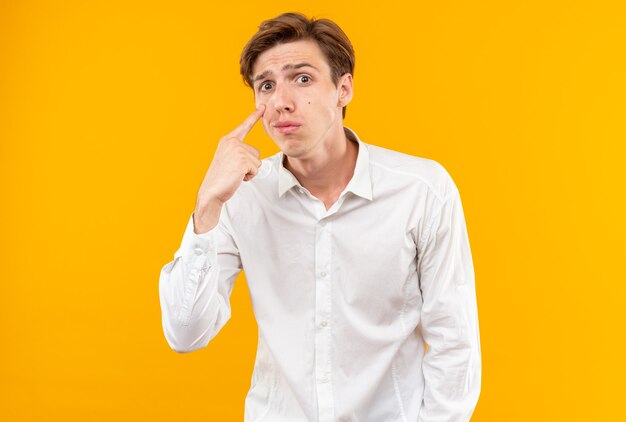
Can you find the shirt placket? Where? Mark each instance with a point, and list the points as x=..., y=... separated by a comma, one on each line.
x=323, y=357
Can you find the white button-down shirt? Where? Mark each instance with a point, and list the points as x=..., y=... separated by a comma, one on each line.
x=345, y=298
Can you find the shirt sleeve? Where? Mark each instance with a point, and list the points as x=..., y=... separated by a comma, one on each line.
x=449, y=320
x=195, y=288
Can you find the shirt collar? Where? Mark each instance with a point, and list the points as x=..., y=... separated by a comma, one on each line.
x=360, y=184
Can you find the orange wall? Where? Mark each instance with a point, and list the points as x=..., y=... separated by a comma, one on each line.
x=110, y=113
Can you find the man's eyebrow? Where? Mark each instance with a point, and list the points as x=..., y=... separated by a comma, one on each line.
x=285, y=67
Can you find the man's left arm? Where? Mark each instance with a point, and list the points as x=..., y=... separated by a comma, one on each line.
x=449, y=320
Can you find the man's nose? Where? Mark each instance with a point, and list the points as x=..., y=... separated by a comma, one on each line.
x=283, y=99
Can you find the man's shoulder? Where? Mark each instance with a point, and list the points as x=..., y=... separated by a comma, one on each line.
x=420, y=169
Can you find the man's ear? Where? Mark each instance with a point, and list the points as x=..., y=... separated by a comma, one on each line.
x=345, y=89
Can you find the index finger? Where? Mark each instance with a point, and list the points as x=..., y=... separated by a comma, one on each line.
x=242, y=130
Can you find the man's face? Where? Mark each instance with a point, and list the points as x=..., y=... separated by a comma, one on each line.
x=302, y=104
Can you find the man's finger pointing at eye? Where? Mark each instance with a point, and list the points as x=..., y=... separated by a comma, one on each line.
x=246, y=126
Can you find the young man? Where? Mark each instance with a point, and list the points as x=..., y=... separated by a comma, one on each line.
x=356, y=256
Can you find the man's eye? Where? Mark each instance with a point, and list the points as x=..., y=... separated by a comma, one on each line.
x=265, y=86
x=304, y=79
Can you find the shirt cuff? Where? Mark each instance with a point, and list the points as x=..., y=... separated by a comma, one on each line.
x=198, y=250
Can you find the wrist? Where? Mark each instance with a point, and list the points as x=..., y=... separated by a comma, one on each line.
x=206, y=215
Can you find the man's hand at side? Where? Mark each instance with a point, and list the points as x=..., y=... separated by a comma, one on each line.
x=234, y=162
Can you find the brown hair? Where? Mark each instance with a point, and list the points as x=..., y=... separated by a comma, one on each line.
x=290, y=27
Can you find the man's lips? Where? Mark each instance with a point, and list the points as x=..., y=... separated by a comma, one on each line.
x=286, y=126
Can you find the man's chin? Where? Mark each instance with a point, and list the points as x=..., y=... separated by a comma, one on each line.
x=291, y=147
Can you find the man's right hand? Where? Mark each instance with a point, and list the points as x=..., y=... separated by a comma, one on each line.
x=234, y=162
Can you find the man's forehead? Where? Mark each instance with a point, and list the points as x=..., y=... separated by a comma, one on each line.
x=288, y=56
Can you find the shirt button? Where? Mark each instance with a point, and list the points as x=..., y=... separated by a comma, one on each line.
x=198, y=251
x=324, y=324
x=324, y=379
x=323, y=274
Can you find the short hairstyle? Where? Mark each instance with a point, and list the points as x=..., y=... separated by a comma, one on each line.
x=290, y=27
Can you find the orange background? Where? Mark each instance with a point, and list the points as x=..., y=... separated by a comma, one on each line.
x=109, y=115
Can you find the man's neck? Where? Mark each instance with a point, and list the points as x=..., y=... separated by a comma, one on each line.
x=328, y=173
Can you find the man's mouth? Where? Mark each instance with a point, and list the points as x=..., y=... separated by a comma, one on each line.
x=286, y=127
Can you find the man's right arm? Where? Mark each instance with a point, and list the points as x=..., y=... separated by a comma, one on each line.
x=195, y=288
